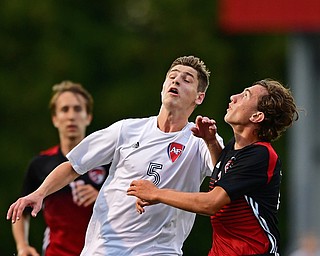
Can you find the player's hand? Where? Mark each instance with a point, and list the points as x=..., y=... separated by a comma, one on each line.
x=27, y=251
x=140, y=204
x=33, y=200
x=205, y=128
x=86, y=194
x=145, y=191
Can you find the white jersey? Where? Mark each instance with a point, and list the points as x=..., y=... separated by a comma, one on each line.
x=139, y=150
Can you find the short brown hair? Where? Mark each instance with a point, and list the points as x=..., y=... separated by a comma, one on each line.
x=197, y=64
x=68, y=86
x=279, y=109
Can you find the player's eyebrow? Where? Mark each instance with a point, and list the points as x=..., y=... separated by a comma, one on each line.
x=187, y=73
x=248, y=90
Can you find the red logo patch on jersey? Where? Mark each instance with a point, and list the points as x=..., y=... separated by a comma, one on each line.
x=175, y=150
x=229, y=164
x=97, y=175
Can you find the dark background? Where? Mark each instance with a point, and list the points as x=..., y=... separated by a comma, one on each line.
x=120, y=51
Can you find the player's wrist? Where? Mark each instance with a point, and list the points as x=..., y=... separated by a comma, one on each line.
x=21, y=248
x=212, y=141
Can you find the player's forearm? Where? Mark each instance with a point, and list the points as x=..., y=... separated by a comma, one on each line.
x=61, y=176
x=214, y=149
x=206, y=203
x=20, y=232
x=192, y=202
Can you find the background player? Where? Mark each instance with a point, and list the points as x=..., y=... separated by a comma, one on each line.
x=66, y=212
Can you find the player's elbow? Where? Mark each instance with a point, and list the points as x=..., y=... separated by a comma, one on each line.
x=214, y=200
x=209, y=209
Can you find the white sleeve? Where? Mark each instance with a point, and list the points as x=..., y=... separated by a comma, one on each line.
x=206, y=155
x=220, y=140
x=96, y=149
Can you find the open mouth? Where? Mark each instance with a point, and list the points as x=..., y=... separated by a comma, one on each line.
x=173, y=90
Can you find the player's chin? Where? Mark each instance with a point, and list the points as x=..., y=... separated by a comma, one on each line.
x=72, y=135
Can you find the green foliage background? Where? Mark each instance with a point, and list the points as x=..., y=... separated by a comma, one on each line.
x=120, y=51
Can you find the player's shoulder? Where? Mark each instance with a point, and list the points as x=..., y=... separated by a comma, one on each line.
x=50, y=151
x=266, y=147
x=138, y=120
x=258, y=152
x=50, y=154
x=138, y=123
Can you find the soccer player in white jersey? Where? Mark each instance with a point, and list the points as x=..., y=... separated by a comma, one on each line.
x=166, y=149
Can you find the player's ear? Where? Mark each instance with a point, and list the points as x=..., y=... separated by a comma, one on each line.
x=257, y=117
x=200, y=98
x=89, y=119
x=54, y=121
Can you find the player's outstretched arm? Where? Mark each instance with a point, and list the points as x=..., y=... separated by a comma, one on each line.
x=57, y=179
x=205, y=203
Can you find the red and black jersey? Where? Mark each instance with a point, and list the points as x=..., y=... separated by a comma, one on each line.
x=66, y=221
x=248, y=225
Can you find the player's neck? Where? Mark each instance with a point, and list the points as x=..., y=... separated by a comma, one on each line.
x=171, y=121
x=67, y=145
x=245, y=138
x=244, y=134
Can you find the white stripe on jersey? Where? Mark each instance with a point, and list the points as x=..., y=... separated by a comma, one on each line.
x=255, y=208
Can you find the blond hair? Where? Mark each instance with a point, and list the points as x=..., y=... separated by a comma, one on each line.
x=68, y=86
